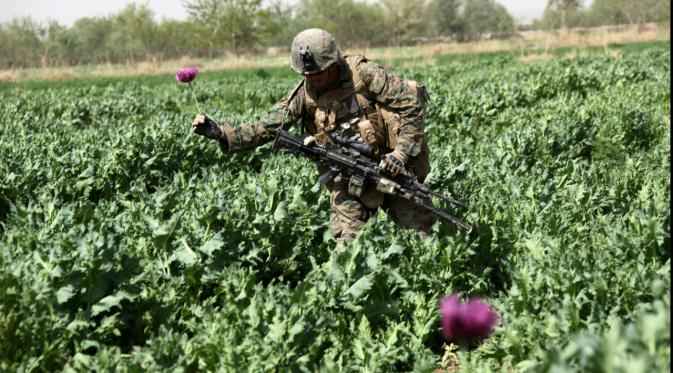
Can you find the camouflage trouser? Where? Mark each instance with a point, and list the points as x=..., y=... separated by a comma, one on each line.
x=348, y=214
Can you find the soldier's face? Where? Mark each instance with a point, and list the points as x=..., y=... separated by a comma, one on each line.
x=322, y=79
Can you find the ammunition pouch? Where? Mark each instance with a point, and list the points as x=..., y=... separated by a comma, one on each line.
x=371, y=136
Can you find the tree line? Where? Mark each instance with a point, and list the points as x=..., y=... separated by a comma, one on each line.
x=217, y=27
x=561, y=14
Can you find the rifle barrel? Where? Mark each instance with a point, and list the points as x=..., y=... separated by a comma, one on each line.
x=444, y=214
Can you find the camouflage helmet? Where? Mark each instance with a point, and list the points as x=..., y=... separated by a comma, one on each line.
x=313, y=50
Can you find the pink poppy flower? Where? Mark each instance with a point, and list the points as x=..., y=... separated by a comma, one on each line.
x=187, y=74
x=472, y=320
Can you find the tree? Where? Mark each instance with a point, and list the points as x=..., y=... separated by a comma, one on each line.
x=59, y=45
x=641, y=11
x=605, y=12
x=484, y=16
x=353, y=23
x=22, y=43
x=285, y=20
x=91, y=36
x=404, y=19
x=559, y=12
x=444, y=17
x=135, y=32
x=237, y=24
x=372, y=30
x=175, y=39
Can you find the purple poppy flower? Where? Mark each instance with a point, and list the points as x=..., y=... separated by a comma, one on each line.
x=450, y=309
x=187, y=74
x=472, y=320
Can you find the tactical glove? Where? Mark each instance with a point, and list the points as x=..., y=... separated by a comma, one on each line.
x=393, y=162
x=205, y=126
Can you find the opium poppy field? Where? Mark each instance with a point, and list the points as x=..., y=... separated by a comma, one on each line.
x=127, y=243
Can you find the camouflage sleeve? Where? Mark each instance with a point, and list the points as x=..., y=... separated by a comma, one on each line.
x=252, y=134
x=395, y=93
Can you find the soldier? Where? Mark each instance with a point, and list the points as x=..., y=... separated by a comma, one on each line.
x=360, y=100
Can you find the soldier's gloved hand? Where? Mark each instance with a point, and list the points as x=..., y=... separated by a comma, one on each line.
x=393, y=162
x=205, y=126
x=308, y=140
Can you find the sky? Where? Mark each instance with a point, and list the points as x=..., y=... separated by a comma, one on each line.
x=524, y=11
x=67, y=11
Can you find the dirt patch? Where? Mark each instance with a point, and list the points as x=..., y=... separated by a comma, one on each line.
x=532, y=58
x=9, y=75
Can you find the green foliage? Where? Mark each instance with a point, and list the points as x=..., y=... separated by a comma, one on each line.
x=128, y=243
x=572, y=13
x=216, y=27
x=236, y=24
x=630, y=12
x=352, y=22
x=408, y=16
x=446, y=20
x=479, y=17
x=19, y=41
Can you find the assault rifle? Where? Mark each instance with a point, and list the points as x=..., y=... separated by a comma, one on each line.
x=354, y=160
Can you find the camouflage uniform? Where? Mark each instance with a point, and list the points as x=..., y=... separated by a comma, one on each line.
x=368, y=103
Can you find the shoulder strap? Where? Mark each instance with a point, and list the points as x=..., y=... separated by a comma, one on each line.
x=352, y=63
x=294, y=90
x=309, y=100
x=362, y=94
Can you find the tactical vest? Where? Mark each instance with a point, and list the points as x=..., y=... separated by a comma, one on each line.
x=343, y=107
x=350, y=110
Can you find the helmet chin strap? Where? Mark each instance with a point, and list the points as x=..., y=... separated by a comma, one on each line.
x=333, y=73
